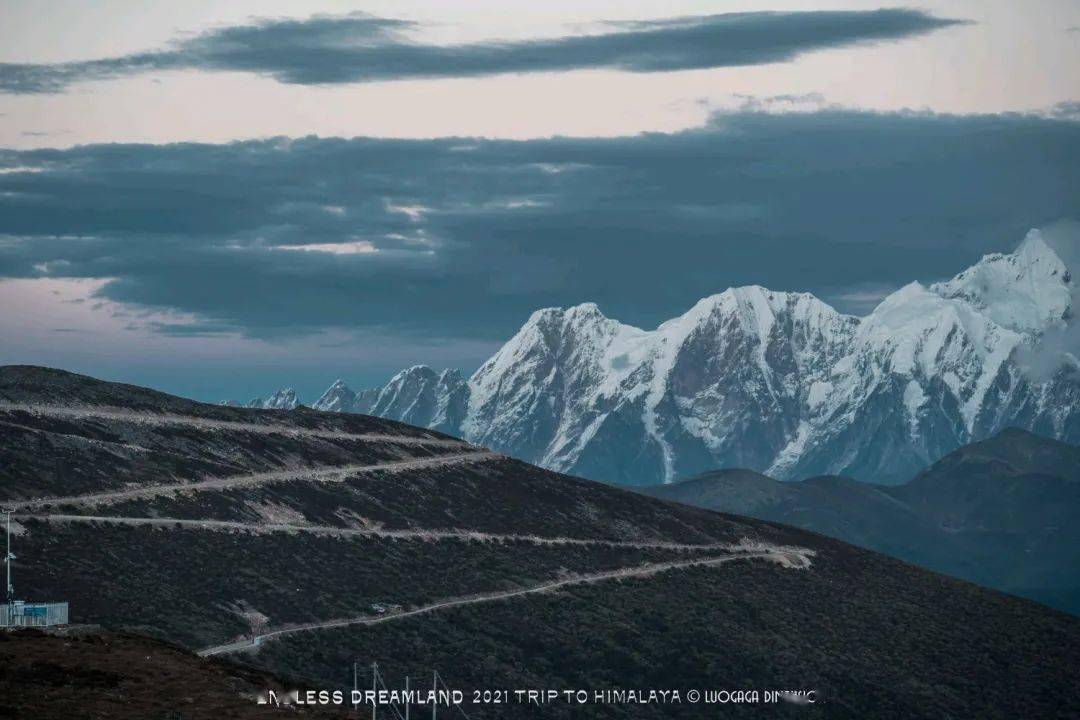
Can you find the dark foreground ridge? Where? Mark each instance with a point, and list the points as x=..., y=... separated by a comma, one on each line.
x=98, y=674
x=873, y=636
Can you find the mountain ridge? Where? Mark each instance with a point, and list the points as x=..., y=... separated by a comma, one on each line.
x=779, y=382
x=996, y=512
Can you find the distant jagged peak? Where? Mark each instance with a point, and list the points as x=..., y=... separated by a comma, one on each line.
x=553, y=324
x=1027, y=290
x=414, y=378
x=284, y=399
x=581, y=311
x=339, y=397
x=415, y=372
x=913, y=302
x=579, y=329
x=758, y=308
x=427, y=376
x=585, y=310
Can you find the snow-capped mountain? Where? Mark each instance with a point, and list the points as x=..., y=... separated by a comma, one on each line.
x=418, y=396
x=339, y=398
x=772, y=381
x=282, y=400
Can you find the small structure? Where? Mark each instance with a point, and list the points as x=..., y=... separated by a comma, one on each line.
x=19, y=613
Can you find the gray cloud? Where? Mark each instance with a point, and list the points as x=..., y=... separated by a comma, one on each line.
x=363, y=48
x=1068, y=110
x=463, y=238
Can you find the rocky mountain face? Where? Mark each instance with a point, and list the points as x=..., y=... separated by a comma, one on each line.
x=777, y=382
x=417, y=396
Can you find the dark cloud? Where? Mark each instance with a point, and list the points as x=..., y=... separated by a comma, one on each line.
x=1067, y=110
x=464, y=238
x=363, y=48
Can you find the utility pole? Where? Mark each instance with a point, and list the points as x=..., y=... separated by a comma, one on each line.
x=374, y=688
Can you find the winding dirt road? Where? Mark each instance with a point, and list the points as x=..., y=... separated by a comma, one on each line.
x=329, y=530
x=789, y=557
x=323, y=474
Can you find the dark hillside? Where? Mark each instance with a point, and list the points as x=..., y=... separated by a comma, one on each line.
x=253, y=531
x=1001, y=512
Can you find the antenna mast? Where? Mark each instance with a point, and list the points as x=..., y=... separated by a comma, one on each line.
x=8, y=557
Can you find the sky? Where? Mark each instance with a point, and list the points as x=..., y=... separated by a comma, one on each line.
x=221, y=199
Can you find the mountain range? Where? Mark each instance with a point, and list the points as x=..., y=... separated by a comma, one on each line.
x=999, y=512
x=778, y=382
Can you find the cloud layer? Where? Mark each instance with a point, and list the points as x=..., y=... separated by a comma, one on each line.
x=465, y=237
x=364, y=48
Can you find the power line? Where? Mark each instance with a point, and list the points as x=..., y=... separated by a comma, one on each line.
x=378, y=680
x=379, y=677
x=438, y=679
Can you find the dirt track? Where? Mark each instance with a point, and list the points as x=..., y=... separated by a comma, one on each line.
x=788, y=557
x=324, y=474
x=328, y=530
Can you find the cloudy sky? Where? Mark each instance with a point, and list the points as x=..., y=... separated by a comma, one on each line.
x=219, y=199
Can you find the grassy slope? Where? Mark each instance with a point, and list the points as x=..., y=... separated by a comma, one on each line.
x=1000, y=512
x=192, y=586
x=876, y=639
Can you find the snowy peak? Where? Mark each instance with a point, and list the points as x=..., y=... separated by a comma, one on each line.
x=282, y=400
x=1027, y=290
x=337, y=398
x=421, y=396
x=556, y=329
x=758, y=310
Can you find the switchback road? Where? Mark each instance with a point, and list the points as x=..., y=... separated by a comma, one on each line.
x=322, y=474
x=785, y=556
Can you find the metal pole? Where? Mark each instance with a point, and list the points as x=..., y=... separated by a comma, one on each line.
x=407, y=702
x=355, y=689
x=435, y=691
x=8, y=557
x=374, y=688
